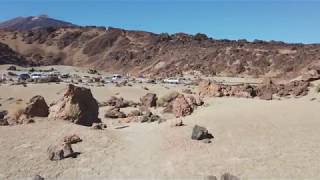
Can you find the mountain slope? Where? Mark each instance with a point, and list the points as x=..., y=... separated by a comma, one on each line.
x=31, y=22
x=8, y=56
x=119, y=50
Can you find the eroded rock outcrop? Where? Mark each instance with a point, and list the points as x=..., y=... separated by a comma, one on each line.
x=78, y=106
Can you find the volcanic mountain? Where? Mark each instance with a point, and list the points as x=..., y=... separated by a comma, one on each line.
x=32, y=22
x=136, y=52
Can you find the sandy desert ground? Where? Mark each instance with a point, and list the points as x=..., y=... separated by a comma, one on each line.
x=253, y=139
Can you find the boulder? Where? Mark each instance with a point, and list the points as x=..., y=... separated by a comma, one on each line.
x=178, y=122
x=149, y=100
x=78, y=106
x=99, y=126
x=200, y=133
x=59, y=152
x=38, y=177
x=114, y=113
x=12, y=68
x=150, y=117
x=37, y=107
x=72, y=139
x=3, y=120
x=181, y=107
x=228, y=176
x=3, y=113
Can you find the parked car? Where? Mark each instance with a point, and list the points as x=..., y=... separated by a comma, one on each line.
x=107, y=80
x=36, y=76
x=176, y=81
x=116, y=77
x=172, y=80
x=23, y=77
x=64, y=76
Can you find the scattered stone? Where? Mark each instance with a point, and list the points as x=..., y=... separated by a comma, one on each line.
x=149, y=100
x=150, y=117
x=37, y=107
x=181, y=107
x=59, y=152
x=228, y=176
x=114, y=113
x=3, y=121
x=120, y=102
x=78, y=106
x=99, y=126
x=92, y=71
x=154, y=118
x=177, y=123
x=134, y=113
x=38, y=177
x=3, y=113
x=12, y=68
x=200, y=133
x=72, y=139
x=27, y=121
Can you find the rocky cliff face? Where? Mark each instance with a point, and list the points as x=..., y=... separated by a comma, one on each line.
x=119, y=50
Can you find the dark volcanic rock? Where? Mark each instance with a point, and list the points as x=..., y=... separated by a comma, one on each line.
x=38, y=177
x=228, y=176
x=200, y=133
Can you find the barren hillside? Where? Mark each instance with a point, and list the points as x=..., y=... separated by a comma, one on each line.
x=119, y=50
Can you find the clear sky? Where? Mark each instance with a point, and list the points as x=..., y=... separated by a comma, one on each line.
x=284, y=20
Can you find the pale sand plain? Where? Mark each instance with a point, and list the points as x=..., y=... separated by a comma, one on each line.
x=253, y=139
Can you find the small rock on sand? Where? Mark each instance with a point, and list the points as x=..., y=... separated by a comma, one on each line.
x=200, y=133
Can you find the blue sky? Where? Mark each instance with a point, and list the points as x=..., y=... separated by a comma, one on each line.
x=284, y=20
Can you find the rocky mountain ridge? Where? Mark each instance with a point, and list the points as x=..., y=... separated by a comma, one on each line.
x=139, y=52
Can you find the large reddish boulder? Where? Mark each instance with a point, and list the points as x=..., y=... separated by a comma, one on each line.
x=37, y=106
x=78, y=106
x=181, y=106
